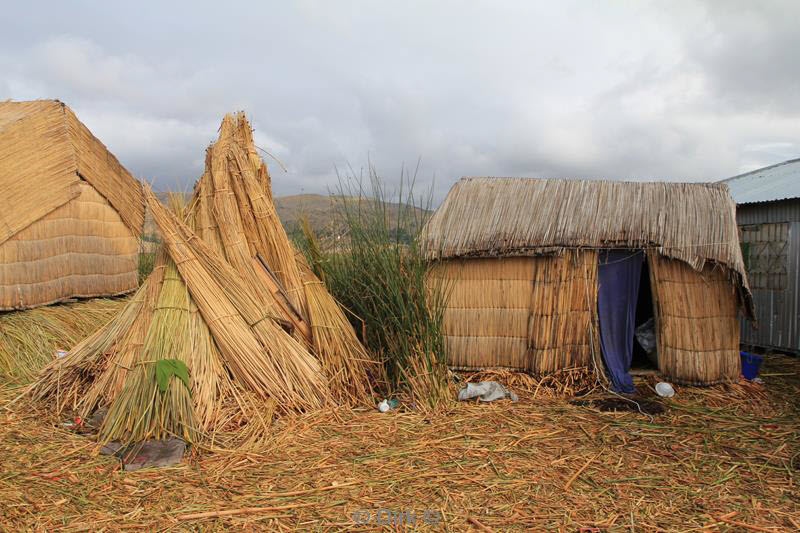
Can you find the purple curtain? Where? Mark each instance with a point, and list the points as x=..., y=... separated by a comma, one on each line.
x=618, y=275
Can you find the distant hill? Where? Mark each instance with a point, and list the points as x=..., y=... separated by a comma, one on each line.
x=324, y=213
x=321, y=211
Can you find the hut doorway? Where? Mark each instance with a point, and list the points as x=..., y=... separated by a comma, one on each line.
x=644, y=361
x=619, y=275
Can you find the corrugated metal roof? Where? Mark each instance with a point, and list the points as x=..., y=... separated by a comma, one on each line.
x=776, y=182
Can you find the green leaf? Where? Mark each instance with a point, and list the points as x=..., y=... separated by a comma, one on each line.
x=166, y=368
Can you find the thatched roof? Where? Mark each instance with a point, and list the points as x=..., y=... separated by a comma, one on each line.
x=45, y=151
x=71, y=213
x=490, y=217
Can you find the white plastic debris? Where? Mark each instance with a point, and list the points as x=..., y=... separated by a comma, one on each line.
x=61, y=353
x=486, y=391
x=665, y=390
x=383, y=406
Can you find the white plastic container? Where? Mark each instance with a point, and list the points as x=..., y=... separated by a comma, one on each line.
x=665, y=390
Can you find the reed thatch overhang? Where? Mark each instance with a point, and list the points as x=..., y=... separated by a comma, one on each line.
x=45, y=151
x=497, y=217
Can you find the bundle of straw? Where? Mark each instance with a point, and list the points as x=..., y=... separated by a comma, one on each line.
x=231, y=300
x=29, y=339
x=259, y=354
x=232, y=206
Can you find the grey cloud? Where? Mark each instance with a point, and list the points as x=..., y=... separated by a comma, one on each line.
x=572, y=89
x=748, y=51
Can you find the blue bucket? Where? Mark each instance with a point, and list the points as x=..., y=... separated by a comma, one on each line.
x=750, y=364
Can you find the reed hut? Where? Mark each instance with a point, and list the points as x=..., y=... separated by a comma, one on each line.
x=231, y=308
x=549, y=274
x=71, y=213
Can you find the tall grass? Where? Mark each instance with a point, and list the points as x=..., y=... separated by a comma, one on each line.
x=378, y=271
x=145, y=266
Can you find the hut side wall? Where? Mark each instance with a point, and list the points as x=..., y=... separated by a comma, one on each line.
x=486, y=318
x=697, y=322
x=562, y=310
x=82, y=249
x=524, y=313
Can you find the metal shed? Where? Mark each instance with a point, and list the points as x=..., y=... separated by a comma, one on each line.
x=768, y=216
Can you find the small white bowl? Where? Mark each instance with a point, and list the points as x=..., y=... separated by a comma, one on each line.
x=665, y=390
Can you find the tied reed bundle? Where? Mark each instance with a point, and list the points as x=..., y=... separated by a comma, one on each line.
x=232, y=210
x=231, y=203
x=29, y=339
x=256, y=350
x=216, y=304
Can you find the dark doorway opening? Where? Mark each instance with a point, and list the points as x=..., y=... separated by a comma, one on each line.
x=618, y=282
x=644, y=312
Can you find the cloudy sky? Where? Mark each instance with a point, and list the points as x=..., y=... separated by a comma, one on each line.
x=639, y=90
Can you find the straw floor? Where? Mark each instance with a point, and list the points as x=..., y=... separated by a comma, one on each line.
x=724, y=458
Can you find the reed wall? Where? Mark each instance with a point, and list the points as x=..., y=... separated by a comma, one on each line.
x=538, y=314
x=562, y=310
x=697, y=324
x=525, y=313
x=81, y=249
x=487, y=312
x=103, y=171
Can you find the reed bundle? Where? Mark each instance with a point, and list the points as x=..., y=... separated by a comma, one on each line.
x=215, y=304
x=94, y=371
x=232, y=210
x=344, y=359
x=234, y=205
x=30, y=339
x=260, y=355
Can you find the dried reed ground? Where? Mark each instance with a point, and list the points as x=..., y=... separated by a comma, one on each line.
x=29, y=339
x=724, y=458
